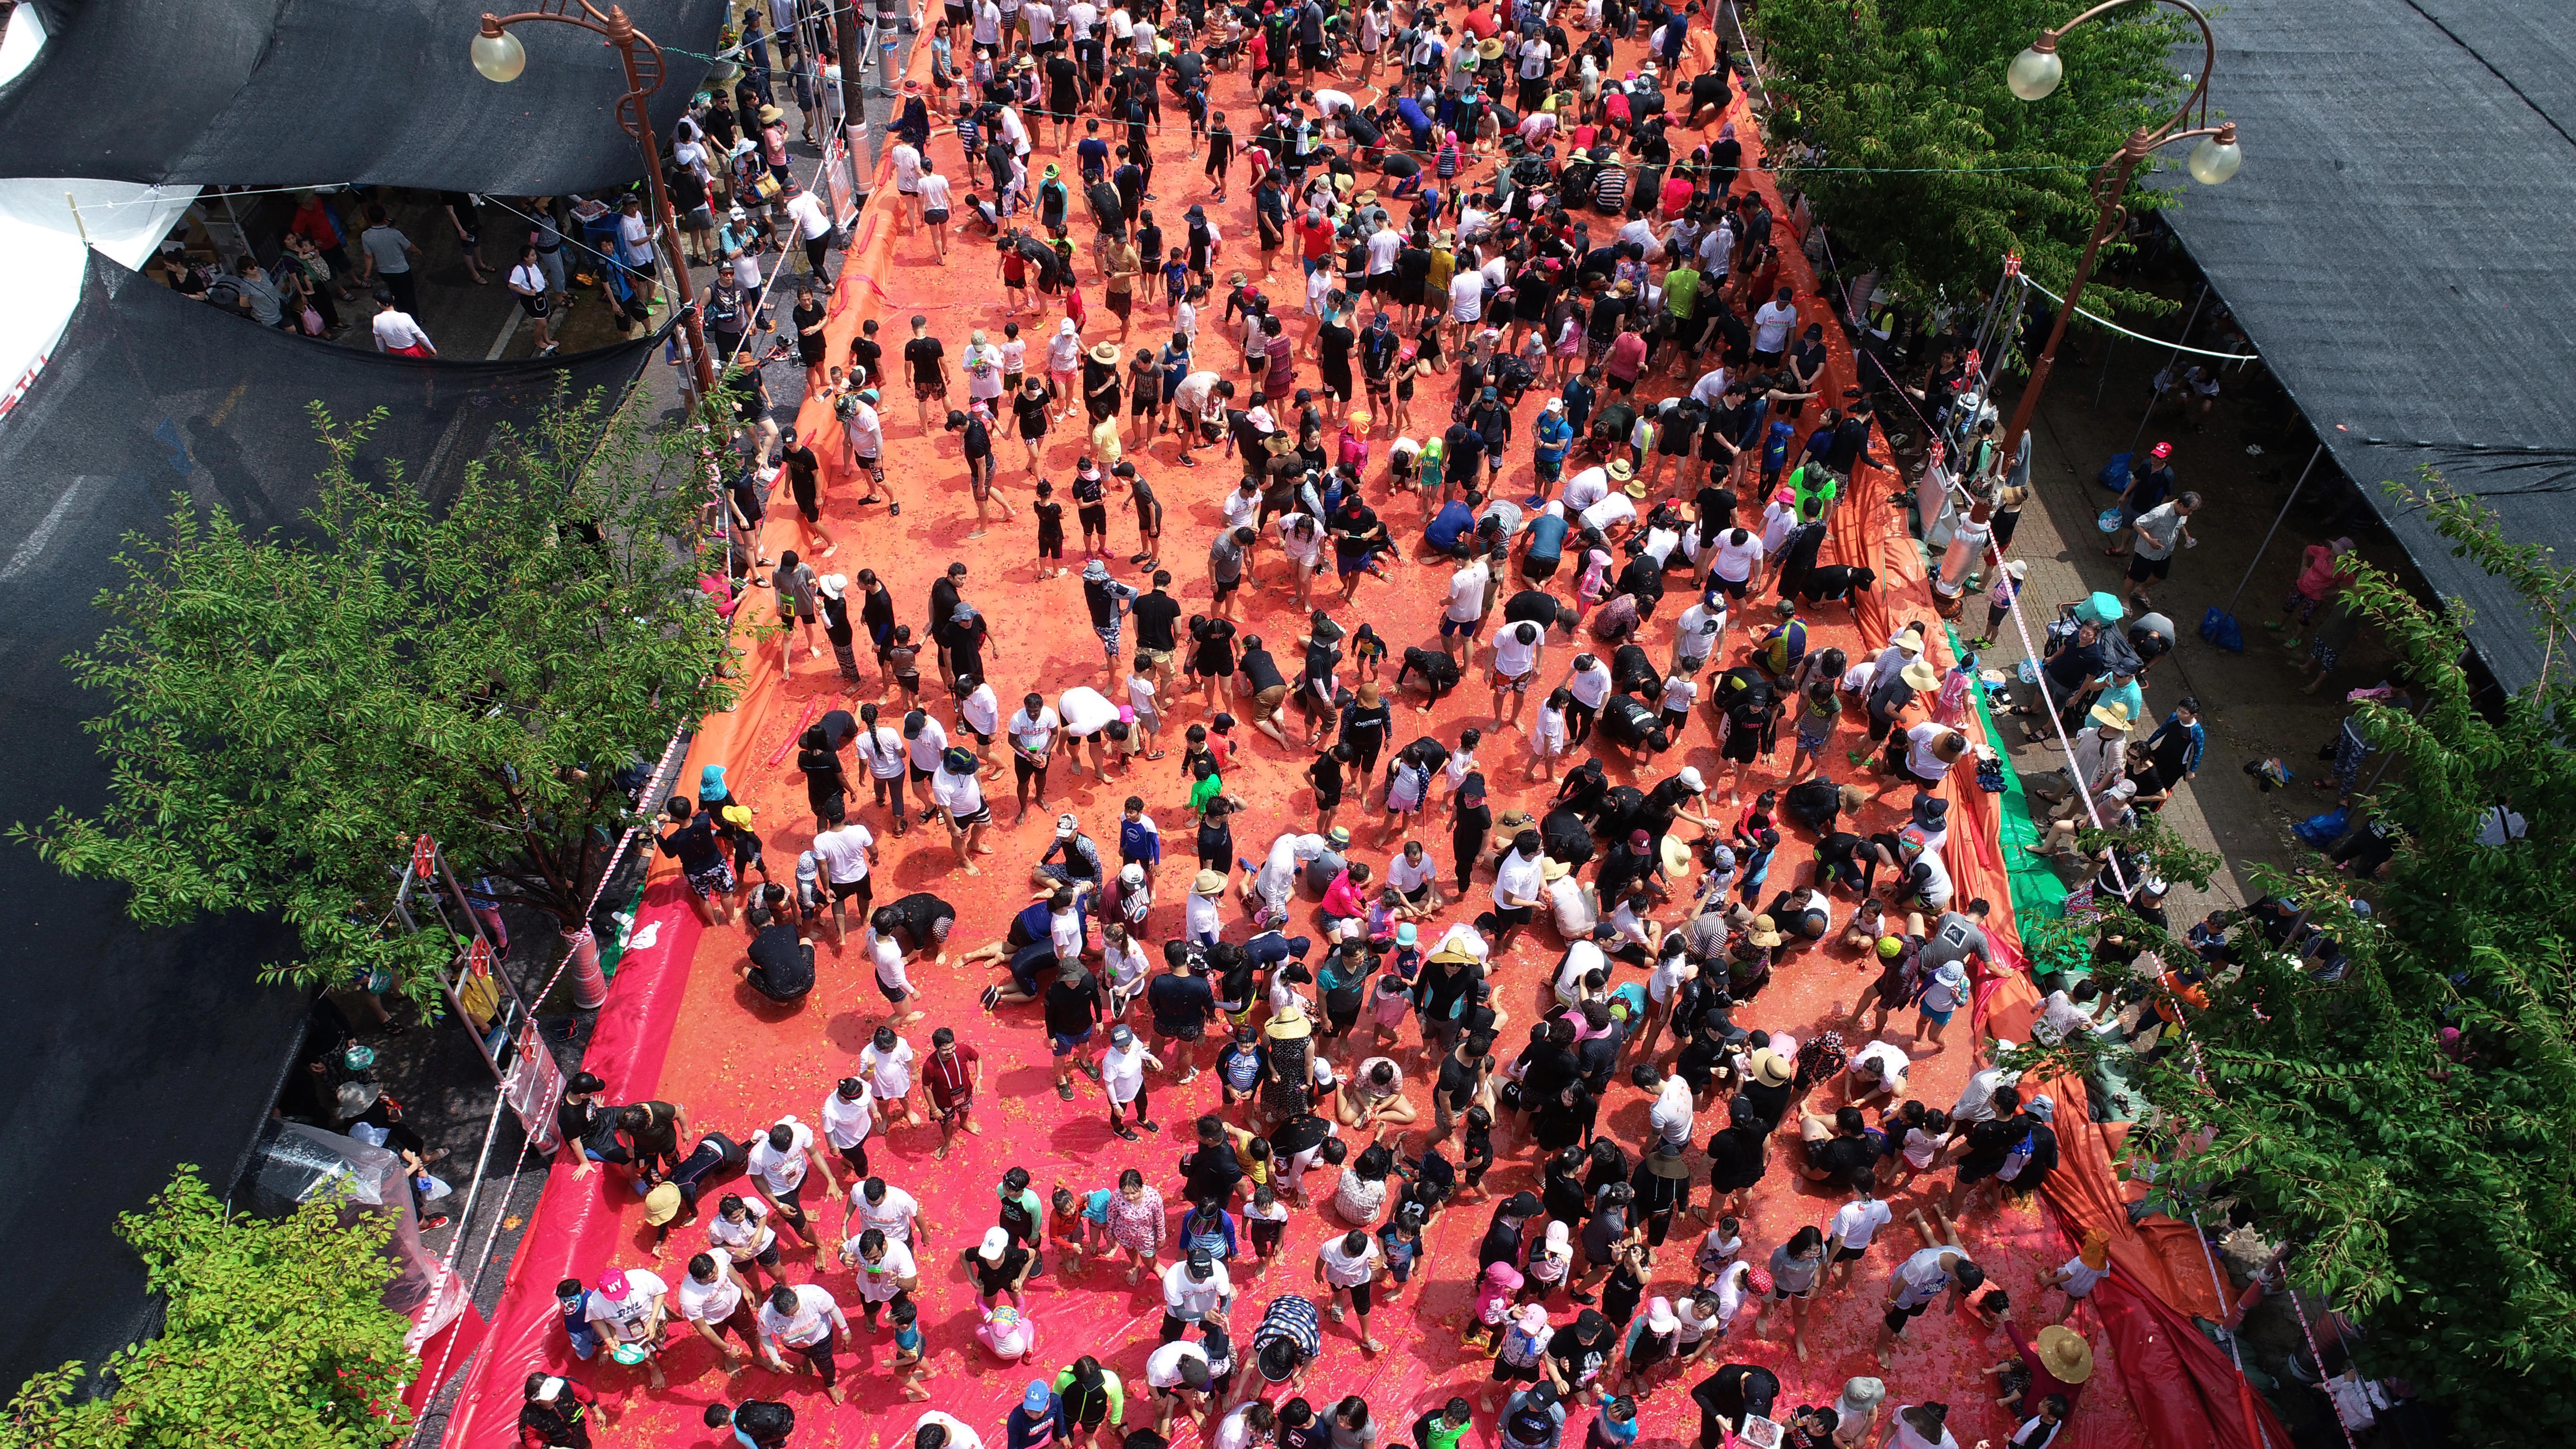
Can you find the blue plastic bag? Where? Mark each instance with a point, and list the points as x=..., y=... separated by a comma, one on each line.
x=2115, y=474
x=2219, y=627
x=2324, y=828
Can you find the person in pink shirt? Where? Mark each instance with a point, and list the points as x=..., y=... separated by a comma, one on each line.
x=1346, y=899
x=2326, y=568
x=1626, y=358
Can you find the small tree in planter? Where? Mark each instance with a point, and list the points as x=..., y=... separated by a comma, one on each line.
x=285, y=714
x=276, y=1337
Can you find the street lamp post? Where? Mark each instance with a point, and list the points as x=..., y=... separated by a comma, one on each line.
x=2035, y=75
x=500, y=57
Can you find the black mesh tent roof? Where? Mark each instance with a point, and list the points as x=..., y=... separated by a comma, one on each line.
x=2401, y=246
x=122, y=1051
x=317, y=92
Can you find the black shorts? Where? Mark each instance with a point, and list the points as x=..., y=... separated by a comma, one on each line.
x=1179, y=1032
x=1896, y=1317
x=1514, y=915
x=934, y=215
x=2143, y=568
x=1505, y=1373
x=864, y=888
x=534, y=306
x=1024, y=772
x=1362, y=1297
x=920, y=776
x=895, y=994
x=1845, y=1255
x=1094, y=517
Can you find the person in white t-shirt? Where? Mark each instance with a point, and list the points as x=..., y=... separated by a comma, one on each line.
x=1468, y=586
x=630, y=1307
x=886, y=1061
x=1520, y=885
x=1877, y=1069
x=711, y=1299
x=741, y=1227
x=1612, y=514
x=804, y=1319
x=846, y=852
x=1732, y=561
x=1515, y=667
x=882, y=1266
x=1854, y=1224
x=1177, y=1377
x=923, y=741
x=1574, y=903
x=397, y=333
x=885, y=953
x=1345, y=1267
x=849, y=1117
x=779, y=1162
x=892, y=1211
x=2084, y=1272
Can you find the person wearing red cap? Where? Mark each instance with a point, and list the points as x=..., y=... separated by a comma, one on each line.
x=2149, y=485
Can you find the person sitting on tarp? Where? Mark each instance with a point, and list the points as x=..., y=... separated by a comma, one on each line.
x=715, y=1158
x=780, y=964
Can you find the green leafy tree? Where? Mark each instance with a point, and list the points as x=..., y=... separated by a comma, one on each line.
x=286, y=712
x=2424, y=1184
x=1956, y=171
x=276, y=1337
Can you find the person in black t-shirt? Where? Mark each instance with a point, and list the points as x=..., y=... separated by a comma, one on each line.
x=867, y=357
x=1180, y=1002
x=1073, y=1008
x=929, y=365
x=1030, y=410
x=702, y=859
x=780, y=962
x=1155, y=612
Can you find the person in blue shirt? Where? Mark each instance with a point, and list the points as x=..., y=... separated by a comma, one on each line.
x=2177, y=743
x=574, y=1299
x=1548, y=442
x=1038, y=1420
x=1451, y=523
x=1543, y=546
x=1093, y=153
x=1775, y=451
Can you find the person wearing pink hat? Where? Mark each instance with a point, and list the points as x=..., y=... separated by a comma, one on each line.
x=629, y=1306
x=2151, y=481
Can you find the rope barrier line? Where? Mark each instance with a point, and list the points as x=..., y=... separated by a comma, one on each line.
x=2101, y=321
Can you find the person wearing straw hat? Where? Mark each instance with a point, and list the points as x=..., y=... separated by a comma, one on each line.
x=1925, y=753
x=2095, y=759
x=2058, y=1362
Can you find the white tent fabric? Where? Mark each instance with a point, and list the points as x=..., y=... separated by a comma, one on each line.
x=40, y=239
x=40, y=243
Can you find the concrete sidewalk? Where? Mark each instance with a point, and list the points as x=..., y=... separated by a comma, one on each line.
x=2251, y=707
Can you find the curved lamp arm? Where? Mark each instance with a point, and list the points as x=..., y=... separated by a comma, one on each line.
x=499, y=56
x=2039, y=66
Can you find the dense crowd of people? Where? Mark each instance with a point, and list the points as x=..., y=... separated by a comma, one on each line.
x=1527, y=208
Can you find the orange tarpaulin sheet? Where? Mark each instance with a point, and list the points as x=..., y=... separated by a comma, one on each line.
x=738, y=1063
